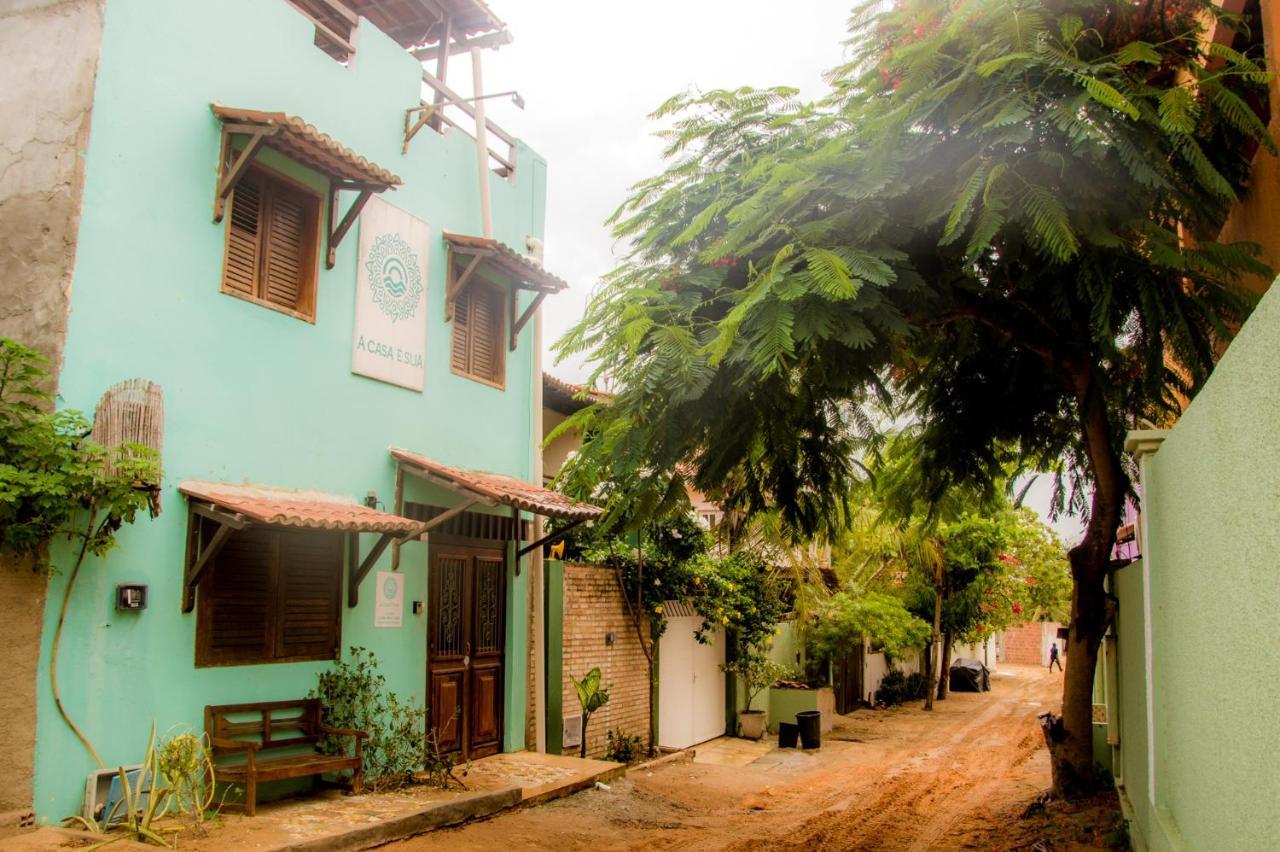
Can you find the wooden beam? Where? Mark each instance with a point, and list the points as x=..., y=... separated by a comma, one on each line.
x=399, y=510
x=515, y=539
x=455, y=99
x=448, y=485
x=454, y=287
x=497, y=39
x=336, y=234
x=228, y=178
x=550, y=537
x=444, y=516
x=525, y=317
x=235, y=520
x=425, y=112
x=354, y=579
x=193, y=573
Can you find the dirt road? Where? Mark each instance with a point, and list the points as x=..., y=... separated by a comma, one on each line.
x=902, y=779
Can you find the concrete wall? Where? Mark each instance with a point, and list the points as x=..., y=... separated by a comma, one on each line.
x=1198, y=715
x=250, y=393
x=51, y=61
x=594, y=608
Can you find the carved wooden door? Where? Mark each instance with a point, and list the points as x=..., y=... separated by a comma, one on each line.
x=465, y=636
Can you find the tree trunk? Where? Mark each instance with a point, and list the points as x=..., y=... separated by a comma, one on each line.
x=931, y=667
x=944, y=671
x=1070, y=736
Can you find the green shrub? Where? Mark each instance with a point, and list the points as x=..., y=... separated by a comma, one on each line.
x=623, y=747
x=353, y=694
x=897, y=688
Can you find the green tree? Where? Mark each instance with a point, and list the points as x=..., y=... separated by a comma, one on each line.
x=984, y=221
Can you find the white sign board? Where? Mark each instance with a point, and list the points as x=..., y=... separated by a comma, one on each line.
x=390, y=340
x=389, y=611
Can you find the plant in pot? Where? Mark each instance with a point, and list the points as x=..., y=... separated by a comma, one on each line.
x=758, y=673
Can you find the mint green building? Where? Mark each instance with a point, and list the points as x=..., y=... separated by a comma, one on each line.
x=290, y=235
x=1188, y=674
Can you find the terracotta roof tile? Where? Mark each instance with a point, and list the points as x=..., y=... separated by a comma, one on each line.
x=499, y=488
x=566, y=397
x=284, y=507
x=303, y=142
x=527, y=272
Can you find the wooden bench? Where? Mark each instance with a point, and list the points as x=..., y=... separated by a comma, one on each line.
x=278, y=729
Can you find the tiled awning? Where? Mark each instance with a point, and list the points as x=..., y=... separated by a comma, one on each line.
x=566, y=397
x=497, y=488
x=300, y=141
x=282, y=507
x=524, y=273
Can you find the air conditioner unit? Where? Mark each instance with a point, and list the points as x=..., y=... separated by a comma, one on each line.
x=571, y=733
x=102, y=791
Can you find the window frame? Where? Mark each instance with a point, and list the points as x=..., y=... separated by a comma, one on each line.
x=310, y=287
x=204, y=653
x=502, y=296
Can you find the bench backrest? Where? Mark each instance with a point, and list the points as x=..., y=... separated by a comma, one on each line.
x=272, y=724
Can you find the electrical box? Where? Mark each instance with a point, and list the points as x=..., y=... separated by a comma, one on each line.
x=131, y=597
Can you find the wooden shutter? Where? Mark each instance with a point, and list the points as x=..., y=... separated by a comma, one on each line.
x=310, y=585
x=272, y=239
x=237, y=600
x=286, y=270
x=271, y=595
x=486, y=336
x=460, y=357
x=244, y=242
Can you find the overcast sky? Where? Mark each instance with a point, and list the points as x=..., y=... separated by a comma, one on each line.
x=591, y=72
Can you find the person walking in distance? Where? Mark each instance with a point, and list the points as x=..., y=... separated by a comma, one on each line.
x=1053, y=657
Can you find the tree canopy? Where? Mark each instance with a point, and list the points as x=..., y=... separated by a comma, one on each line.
x=1000, y=219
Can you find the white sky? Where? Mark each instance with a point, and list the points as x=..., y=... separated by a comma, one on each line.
x=591, y=71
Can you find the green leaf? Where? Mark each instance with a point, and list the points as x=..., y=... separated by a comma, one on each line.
x=1105, y=94
x=986, y=69
x=1138, y=52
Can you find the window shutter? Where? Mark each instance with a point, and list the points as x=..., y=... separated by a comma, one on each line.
x=459, y=357
x=486, y=323
x=310, y=588
x=244, y=243
x=286, y=264
x=238, y=599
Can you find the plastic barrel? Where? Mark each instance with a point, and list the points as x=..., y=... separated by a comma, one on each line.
x=810, y=722
x=788, y=735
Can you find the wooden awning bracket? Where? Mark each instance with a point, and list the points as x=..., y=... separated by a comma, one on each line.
x=199, y=557
x=338, y=229
x=356, y=574
x=425, y=113
x=549, y=538
x=455, y=284
x=517, y=324
x=229, y=174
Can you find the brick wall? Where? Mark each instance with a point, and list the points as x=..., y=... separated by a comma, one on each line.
x=1026, y=644
x=593, y=607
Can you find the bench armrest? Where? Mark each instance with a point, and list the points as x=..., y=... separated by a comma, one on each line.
x=223, y=745
x=344, y=732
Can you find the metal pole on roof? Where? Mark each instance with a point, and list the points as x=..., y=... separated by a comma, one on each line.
x=482, y=144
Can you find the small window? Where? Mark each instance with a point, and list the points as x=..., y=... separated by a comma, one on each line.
x=271, y=596
x=479, y=326
x=272, y=240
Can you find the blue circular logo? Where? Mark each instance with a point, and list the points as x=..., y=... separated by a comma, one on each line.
x=389, y=588
x=394, y=277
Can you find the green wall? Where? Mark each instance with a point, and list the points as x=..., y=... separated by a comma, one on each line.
x=252, y=394
x=1212, y=549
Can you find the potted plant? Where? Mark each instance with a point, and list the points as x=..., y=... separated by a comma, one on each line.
x=758, y=673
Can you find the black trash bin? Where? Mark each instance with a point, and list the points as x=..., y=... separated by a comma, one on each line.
x=810, y=722
x=788, y=735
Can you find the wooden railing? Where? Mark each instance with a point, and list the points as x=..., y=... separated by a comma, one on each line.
x=504, y=156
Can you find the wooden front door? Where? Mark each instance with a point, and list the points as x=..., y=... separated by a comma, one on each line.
x=467, y=604
x=848, y=678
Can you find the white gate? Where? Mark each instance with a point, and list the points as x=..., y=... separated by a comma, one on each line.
x=691, y=706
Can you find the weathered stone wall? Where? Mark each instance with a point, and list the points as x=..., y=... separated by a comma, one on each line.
x=51, y=52
x=593, y=608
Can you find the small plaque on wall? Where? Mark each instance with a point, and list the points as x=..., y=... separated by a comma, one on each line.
x=389, y=610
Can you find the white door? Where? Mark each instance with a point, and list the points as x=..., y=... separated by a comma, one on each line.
x=690, y=685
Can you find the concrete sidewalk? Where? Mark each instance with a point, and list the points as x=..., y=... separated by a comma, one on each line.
x=329, y=820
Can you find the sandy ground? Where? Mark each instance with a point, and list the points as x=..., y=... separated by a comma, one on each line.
x=961, y=777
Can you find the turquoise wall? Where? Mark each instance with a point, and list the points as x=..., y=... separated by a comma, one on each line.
x=252, y=394
x=1211, y=493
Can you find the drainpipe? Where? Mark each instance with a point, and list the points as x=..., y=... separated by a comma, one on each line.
x=537, y=576
x=1144, y=443
x=482, y=146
